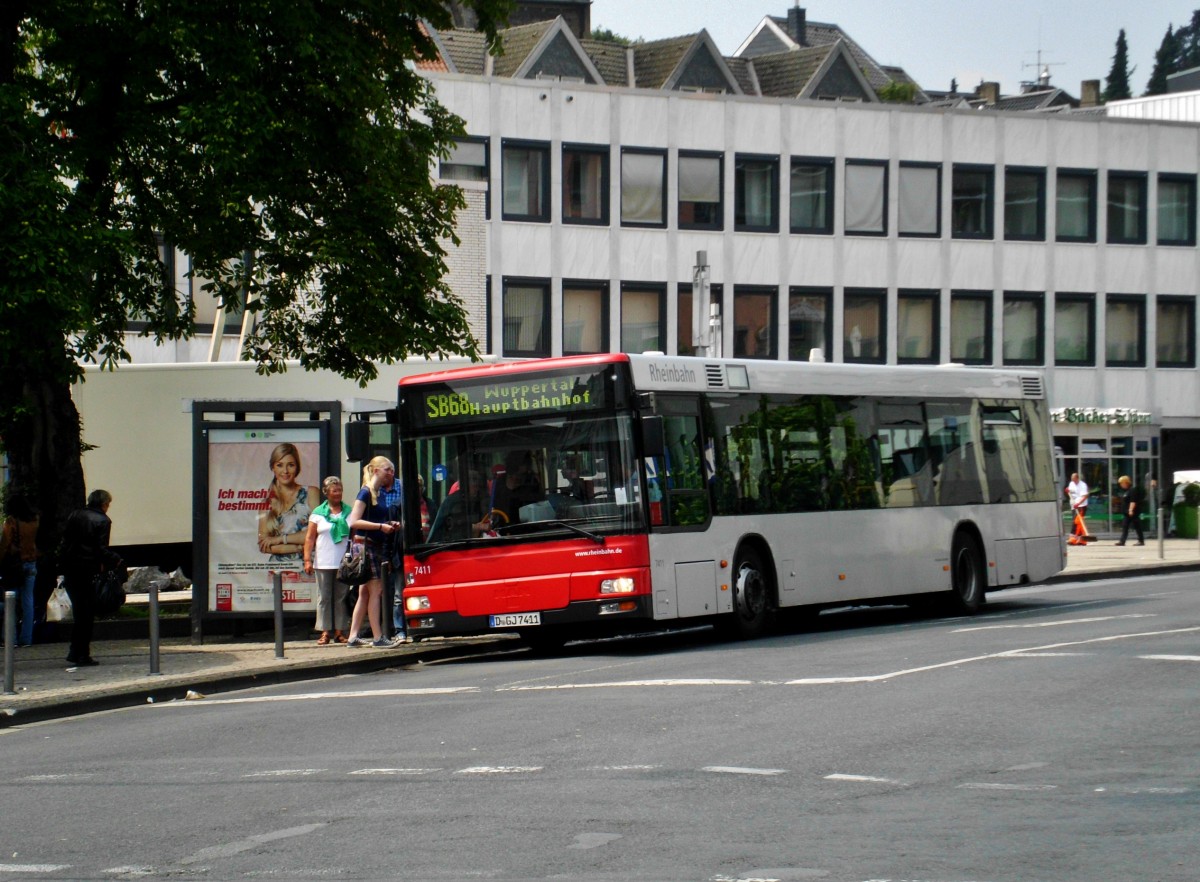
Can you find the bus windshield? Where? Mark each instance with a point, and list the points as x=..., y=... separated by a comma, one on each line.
x=545, y=477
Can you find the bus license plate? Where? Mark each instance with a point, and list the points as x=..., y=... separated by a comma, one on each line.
x=516, y=620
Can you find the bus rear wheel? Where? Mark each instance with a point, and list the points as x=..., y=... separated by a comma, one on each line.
x=753, y=601
x=967, y=575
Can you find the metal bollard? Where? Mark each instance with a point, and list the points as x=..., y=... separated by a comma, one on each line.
x=278, y=592
x=1162, y=526
x=10, y=640
x=154, y=630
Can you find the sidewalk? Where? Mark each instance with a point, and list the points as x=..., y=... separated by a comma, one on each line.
x=48, y=689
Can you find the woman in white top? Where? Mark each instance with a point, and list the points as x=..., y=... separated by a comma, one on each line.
x=324, y=545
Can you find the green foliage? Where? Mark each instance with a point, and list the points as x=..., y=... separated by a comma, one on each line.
x=1164, y=59
x=295, y=132
x=1117, y=86
x=896, y=92
x=1191, y=494
x=607, y=35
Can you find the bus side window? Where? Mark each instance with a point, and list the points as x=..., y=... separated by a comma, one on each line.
x=680, y=472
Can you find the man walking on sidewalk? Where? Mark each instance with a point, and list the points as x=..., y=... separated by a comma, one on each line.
x=1131, y=504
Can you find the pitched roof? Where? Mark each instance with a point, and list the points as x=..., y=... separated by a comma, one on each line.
x=654, y=62
x=818, y=33
x=609, y=59
x=745, y=76
x=1042, y=100
x=516, y=44
x=467, y=49
x=785, y=74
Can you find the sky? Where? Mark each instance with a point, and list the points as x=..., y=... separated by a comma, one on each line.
x=937, y=40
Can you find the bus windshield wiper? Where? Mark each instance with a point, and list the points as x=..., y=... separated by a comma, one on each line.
x=595, y=537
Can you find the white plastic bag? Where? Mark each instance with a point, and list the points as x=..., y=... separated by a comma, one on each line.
x=58, y=607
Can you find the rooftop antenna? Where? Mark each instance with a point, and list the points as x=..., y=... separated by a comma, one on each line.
x=1042, y=68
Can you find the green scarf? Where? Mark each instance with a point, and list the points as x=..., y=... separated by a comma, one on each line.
x=338, y=528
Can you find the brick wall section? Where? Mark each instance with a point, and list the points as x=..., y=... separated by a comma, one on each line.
x=467, y=262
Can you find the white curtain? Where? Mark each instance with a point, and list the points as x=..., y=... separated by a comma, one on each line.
x=583, y=316
x=1122, y=335
x=1074, y=207
x=918, y=195
x=640, y=311
x=864, y=198
x=642, y=188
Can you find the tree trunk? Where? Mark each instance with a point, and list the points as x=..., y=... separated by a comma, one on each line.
x=43, y=445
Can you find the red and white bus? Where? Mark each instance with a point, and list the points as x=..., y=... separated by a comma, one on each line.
x=599, y=494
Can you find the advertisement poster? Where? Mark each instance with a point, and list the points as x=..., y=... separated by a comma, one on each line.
x=263, y=483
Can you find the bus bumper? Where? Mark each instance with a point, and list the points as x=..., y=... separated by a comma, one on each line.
x=607, y=614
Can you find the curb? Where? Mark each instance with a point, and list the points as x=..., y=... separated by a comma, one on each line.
x=178, y=685
x=1152, y=569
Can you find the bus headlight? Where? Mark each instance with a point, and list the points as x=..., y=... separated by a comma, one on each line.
x=620, y=585
x=416, y=604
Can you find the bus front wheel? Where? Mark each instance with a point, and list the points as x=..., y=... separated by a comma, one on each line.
x=753, y=603
x=967, y=575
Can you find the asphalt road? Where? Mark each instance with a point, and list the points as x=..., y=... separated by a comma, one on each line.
x=1052, y=737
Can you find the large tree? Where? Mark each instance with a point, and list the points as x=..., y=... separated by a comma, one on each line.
x=284, y=145
x=1164, y=63
x=1117, y=85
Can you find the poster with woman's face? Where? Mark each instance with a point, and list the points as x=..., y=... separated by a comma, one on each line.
x=262, y=487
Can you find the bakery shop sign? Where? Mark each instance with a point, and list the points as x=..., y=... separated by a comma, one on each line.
x=1101, y=416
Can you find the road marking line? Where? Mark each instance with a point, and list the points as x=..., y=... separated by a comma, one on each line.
x=1021, y=787
x=323, y=696
x=284, y=773
x=1008, y=653
x=129, y=871
x=1055, y=624
x=626, y=683
x=739, y=770
x=394, y=771
x=623, y=768
x=593, y=840
x=1054, y=655
x=250, y=842
x=864, y=779
x=33, y=868
x=498, y=770
x=1187, y=658
x=72, y=776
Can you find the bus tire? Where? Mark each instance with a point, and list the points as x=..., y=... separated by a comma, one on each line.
x=968, y=576
x=753, y=597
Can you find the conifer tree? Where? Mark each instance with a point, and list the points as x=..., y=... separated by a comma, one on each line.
x=1117, y=86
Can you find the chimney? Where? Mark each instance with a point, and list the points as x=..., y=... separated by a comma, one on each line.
x=989, y=92
x=797, y=24
x=1089, y=93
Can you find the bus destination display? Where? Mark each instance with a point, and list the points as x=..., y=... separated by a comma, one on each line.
x=526, y=396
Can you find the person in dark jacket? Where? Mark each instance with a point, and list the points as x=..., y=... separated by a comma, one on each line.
x=85, y=554
x=1131, y=505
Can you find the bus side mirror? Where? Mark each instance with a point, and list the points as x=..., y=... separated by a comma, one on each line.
x=653, y=439
x=358, y=441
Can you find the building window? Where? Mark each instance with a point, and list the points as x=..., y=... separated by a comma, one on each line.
x=810, y=322
x=1125, y=330
x=917, y=321
x=865, y=326
x=756, y=194
x=585, y=185
x=584, y=317
x=643, y=318
x=468, y=161
x=526, y=175
x=972, y=193
x=643, y=188
x=527, y=317
x=919, y=192
x=1025, y=204
x=866, y=197
x=811, y=195
x=1127, y=208
x=1176, y=330
x=971, y=327
x=1075, y=206
x=1176, y=209
x=1023, y=337
x=754, y=322
x=1074, y=330
x=701, y=182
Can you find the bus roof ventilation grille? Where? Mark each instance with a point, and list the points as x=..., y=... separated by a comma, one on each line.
x=1032, y=387
x=716, y=376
